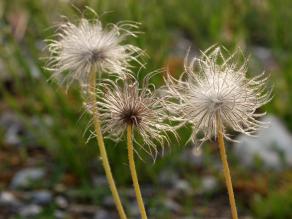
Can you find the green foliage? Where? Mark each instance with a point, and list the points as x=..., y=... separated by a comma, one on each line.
x=277, y=204
x=54, y=116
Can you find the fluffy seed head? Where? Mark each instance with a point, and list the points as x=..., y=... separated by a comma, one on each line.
x=215, y=87
x=88, y=45
x=124, y=103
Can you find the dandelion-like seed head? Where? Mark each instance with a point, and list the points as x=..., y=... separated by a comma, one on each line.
x=215, y=88
x=123, y=103
x=86, y=46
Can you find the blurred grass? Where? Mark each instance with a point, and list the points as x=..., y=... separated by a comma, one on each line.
x=54, y=116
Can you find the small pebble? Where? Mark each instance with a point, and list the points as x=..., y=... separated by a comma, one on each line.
x=29, y=211
x=25, y=177
x=60, y=214
x=41, y=197
x=209, y=183
x=7, y=199
x=102, y=214
x=61, y=202
x=108, y=202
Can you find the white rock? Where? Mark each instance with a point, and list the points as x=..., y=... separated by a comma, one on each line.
x=108, y=201
x=12, y=127
x=24, y=177
x=172, y=205
x=168, y=177
x=102, y=214
x=8, y=199
x=30, y=211
x=193, y=157
x=100, y=181
x=59, y=214
x=133, y=209
x=183, y=186
x=209, y=183
x=266, y=57
x=61, y=202
x=269, y=145
x=42, y=197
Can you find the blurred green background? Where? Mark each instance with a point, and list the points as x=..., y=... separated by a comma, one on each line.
x=43, y=128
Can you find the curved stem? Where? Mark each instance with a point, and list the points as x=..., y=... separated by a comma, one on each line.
x=103, y=153
x=134, y=173
x=226, y=170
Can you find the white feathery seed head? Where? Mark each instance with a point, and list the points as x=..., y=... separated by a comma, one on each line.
x=124, y=102
x=214, y=87
x=88, y=45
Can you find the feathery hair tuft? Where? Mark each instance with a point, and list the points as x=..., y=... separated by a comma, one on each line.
x=218, y=90
x=80, y=48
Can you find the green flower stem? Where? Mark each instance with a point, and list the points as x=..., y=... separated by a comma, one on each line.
x=134, y=173
x=226, y=170
x=103, y=153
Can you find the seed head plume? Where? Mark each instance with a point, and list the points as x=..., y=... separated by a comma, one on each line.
x=88, y=45
x=218, y=90
x=123, y=102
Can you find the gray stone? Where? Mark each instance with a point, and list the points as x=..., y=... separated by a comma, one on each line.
x=102, y=214
x=100, y=181
x=272, y=145
x=30, y=211
x=7, y=199
x=134, y=209
x=42, y=197
x=172, y=205
x=12, y=128
x=60, y=214
x=25, y=177
x=61, y=202
x=193, y=157
x=168, y=177
x=183, y=186
x=209, y=183
x=266, y=57
x=262, y=53
x=108, y=201
x=4, y=75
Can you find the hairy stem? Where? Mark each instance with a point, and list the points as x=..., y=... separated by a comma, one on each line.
x=226, y=170
x=103, y=153
x=134, y=173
